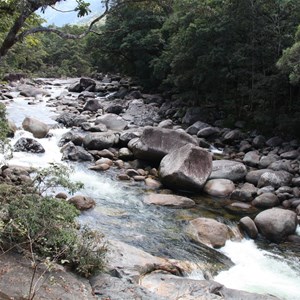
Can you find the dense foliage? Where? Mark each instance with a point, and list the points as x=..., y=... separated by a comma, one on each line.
x=240, y=55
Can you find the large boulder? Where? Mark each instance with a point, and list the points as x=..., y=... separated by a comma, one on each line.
x=276, y=223
x=75, y=153
x=228, y=169
x=155, y=143
x=219, y=187
x=36, y=127
x=208, y=231
x=186, y=168
x=99, y=140
x=112, y=122
x=28, y=145
x=169, y=200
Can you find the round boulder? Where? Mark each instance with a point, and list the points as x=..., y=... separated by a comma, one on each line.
x=266, y=200
x=28, y=145
x=219, y=187
x=186, y=168
x=248, y=225
x=208, y=231
x=276, y=223
x=99, y=140
x=82, y=202
x=36, y=127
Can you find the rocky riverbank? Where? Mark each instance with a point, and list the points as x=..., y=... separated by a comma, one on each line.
x=150, y=141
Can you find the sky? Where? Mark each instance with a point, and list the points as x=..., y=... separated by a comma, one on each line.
x=59, y=19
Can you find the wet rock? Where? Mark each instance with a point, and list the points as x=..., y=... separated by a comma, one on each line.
x=152, y=183
x=71, y=136
x=208, y=132
x=31, y=91
x=219, y=187
x=114, y=109
x=208, y=231
x=186, y=168
x=155, y=143
x=276, y=223
x=36, y=127
x=232, y=136
x=112, y=122
x=266, y=200
x=132, y=172
x=70, y=119
x=85, y=84
x=82, y=202
x=275, y=179
x=104, y=160
x=100, y=167
x=12, y=128
x=138, y=178
x=265, y=189
x=103, y=153
x=169, y=200
x=241, y=208
x=246, y=193
x=128, y=135
x=99, y=140
x=248, y=225
x=228, y=169
x=92, y=105
x=123, y=177
x=28, y=145
x=251, y=158
x=75, y=153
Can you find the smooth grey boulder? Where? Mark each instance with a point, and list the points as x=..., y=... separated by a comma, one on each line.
x=28, y=145
x=276, y=223
x=232, y=136
x=112, y=122
x=208, y=231
x=219, y=187
x=228, y=169
x=99, y=140
x=194, y=129
x=266, y=200
x=208, y=132
x=265, y=161
x=169, y=200
x=186, y=168
x=275, y=179
x=155, y=143
x=36, y=127
x=248, y=225
x=251, y=158
x=245, y=193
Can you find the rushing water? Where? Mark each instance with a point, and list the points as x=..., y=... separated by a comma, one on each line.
x=120, y=213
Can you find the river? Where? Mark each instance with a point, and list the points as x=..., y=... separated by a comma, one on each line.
x=121, y=214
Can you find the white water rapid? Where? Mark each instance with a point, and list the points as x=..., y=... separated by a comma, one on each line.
x=121, y=214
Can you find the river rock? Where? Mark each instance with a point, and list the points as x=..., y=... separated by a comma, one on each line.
x=112, y=122
x=125, y=154
x=186, y=168
x=251, y=158
x=92, y=105
x=70, y=119
x=31, y=91
x=155, y=143
x=219, y=187
x=99, y=140
x=227, y=169
x=75, y=137
x=265, y=161
x=232, y=136
x=282, y=165
x=12, y=128
x=208, y=132
x=152, y=183
x=248, y=225
x=75, y=153
x=36, y=127
x=85, y=84
x=275, y=179
x=82, y=202
x=246, y=193
x=166, y=124
x=114, y=109
x=274, y=141
x=254, y=176
x=169, y=200
x=208, y=231
x=28, y=145
x=127, y=135
x=293, y=154
x=276, y=223
x=266, y=200
x=196, y=127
